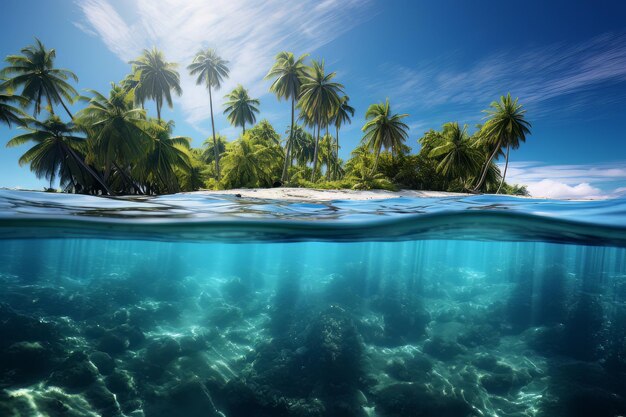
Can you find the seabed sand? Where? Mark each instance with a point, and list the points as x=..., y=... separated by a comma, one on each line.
x=310, y=194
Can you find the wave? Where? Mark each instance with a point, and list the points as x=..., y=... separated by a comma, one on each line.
x=208, y=217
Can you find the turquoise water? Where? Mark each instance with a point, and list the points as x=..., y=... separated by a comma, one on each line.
x=196, y=305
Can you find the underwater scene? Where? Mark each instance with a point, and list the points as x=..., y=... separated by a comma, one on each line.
x=198, y=306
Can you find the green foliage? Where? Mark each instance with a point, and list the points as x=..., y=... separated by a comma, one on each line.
x=114, y=147
x=34, y=72
x=240, y=107
x=157, y=78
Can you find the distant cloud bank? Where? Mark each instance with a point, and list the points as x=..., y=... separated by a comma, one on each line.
x=585, y=181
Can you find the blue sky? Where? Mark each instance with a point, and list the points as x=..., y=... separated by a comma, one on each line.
x=438, y=61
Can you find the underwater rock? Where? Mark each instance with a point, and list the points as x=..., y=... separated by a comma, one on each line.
x=224, y=316
x=113, y=343
x=334, y=350
x=584, y=328
x=75, y=373
x=414, y=400
x=443, y=349
x=409, y=370
x=236, y=290
x=103, y=362
x=187, y=399
x=479, y=335
x=162, y=351
x=405, y=320
x=103, y=401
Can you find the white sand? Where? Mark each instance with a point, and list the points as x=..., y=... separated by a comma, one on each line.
x=308, y=194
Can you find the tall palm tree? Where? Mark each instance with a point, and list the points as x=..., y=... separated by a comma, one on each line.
x=34, y=71
x=318, y=99
x=10, y=114
x=157, y=78
x=240, y=107
x=210, y=70
x=506, y=127
x=458, y=157
x=287, y=73
x=56, y=152
x=343, y=114
x=116, y=129
x=384, y=130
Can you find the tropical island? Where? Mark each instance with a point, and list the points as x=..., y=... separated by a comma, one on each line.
x=112, y=146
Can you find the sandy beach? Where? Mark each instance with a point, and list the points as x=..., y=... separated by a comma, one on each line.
x=308, y=194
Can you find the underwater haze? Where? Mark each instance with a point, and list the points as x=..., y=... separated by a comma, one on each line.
x=194, y=305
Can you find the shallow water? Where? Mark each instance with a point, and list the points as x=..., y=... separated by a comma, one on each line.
x=196, y=305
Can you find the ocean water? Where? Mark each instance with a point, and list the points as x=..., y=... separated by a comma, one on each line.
x=195, y=305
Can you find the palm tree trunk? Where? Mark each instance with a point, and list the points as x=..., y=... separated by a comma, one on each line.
x=317, y=141
x=158, y=112
x=283, y=177
x=486, y=167
x=328, y=158
x=217, y=154
x=506, y=166
x=88, y=169
x=337, y=155
x=375, y=162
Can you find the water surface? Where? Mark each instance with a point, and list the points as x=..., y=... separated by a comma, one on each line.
x=199, y=305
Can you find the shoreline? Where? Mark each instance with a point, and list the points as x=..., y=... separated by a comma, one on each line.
x=312, y=194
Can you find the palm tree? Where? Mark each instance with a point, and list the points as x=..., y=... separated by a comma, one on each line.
x=165, y=155
x=240, y=108
x=318, y=99
x=210, y=70
x=457, y=155
x=507, y=127
x=288, y=73
x=248, y=164
x=116, y=129
x=343, y=114
x=302, y=145
x=10, y=114
x=384, y=130
x=56, y=152
x=34, y=71
x=157, y=78
x=208, y=151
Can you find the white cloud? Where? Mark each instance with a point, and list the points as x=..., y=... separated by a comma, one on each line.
x=248, y=34
x=534, y=75
x=584, y=181
x=555, y=189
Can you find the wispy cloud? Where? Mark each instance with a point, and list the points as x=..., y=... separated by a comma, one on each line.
x=535, y=75
x=248, y=34
x=585, y=181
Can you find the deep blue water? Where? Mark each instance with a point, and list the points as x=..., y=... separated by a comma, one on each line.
x=196, y=305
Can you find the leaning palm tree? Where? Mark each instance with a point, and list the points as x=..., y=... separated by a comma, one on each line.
x=157, y=78
x=116, y=129
x=10, y=114
x=240, y=107
x=506, y=127
x=56, y=153
x=457, y=157
x=210, y=70
x=287, y=73
x=384, y=130
x=34, y=72
x=318, y=99
x=343, y=114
